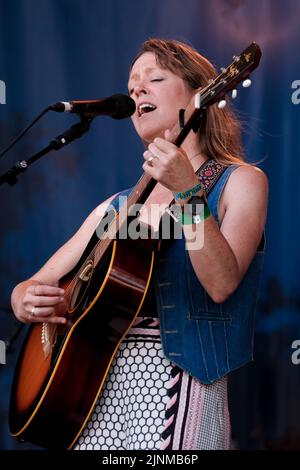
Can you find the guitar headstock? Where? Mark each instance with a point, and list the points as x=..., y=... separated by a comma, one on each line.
x=238, y=71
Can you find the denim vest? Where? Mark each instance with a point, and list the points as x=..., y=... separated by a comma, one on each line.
x=206, y=339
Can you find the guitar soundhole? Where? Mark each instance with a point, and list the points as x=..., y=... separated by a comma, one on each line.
x=81, y=285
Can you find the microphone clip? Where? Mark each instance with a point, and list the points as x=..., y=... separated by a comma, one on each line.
x=74, y=132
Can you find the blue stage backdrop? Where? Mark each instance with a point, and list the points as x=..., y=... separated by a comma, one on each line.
x=53, y=50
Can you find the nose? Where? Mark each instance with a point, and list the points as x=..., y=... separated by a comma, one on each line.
x=140, y=89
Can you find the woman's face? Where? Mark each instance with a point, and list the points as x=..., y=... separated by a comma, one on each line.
x=158, y=94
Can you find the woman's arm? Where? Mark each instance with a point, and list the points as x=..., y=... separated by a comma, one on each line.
x=223, y=254
x=228, y=251
x=40, y=291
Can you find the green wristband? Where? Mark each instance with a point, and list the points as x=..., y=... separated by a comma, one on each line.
x=186, y=194
x=188, y=219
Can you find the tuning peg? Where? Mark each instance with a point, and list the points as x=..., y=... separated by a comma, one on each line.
x=223, y=69
x=222, y=104
x=234, y=94
x=247, y=83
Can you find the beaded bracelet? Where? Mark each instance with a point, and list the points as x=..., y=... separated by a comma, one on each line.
x=186, y=194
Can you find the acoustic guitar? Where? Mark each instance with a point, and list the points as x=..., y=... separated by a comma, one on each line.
x=62, y=368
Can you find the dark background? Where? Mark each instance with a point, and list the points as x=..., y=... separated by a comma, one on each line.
x=52, y=50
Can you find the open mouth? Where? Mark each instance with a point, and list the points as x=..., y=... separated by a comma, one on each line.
x=145, y=108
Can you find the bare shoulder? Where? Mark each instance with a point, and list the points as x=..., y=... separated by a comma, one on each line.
x=66, y=257
x=246, y=182
x=99, y=211
x=244, y=209
x=249, y=175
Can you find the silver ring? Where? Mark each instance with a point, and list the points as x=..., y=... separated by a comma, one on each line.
x=150, y=159
x=32, y=311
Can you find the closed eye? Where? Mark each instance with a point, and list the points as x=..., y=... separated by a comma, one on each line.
x=131, y=90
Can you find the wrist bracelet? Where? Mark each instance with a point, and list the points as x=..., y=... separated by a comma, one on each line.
x=189, y=219
x=186, y=194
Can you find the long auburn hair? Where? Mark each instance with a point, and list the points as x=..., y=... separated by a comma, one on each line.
x=220, y=133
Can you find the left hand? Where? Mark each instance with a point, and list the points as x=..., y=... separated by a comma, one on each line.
x=172, y=167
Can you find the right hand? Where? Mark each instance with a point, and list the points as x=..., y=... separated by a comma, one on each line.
x=42, y=303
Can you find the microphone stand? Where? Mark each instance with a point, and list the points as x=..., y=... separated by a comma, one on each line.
x=74, y=132
x=10, y=177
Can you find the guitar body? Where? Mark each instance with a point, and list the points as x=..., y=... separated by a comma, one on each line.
x=53, y=397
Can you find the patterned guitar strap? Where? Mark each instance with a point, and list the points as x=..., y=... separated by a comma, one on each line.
x=209, y=173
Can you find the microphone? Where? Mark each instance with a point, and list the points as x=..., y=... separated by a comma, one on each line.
x=116, y=106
